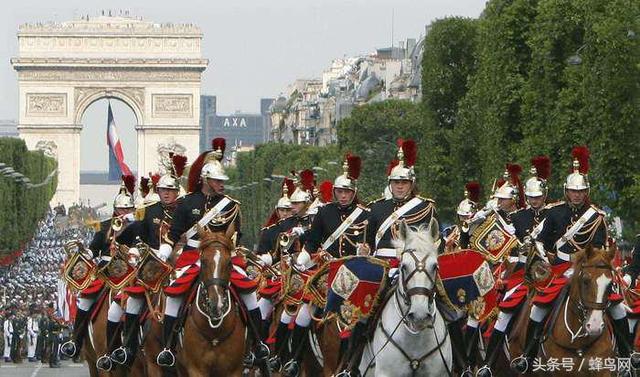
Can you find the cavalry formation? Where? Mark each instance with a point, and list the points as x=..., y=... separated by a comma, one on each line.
x=338, y=288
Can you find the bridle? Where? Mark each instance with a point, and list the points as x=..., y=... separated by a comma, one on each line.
x=421, y=266
x=222, y=283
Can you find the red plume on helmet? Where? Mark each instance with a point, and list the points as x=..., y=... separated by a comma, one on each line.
x=219, y=143
x=581, y=153
x=129, y=183
x=473, y=189
x=410, y=151
x=290, y=185
x=514, y=173
x=392, y=165
x=326, y=191
x=195, y=183
x=144, y=186
x=179, y=163
x=355, y=165
x=542, y=165
x=155, y=178
x=306, y=180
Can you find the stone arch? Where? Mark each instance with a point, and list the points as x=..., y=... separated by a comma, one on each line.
x=132, y=97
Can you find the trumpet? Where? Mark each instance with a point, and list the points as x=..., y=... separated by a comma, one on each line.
x=117, y=224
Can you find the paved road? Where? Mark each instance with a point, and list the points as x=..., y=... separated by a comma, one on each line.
x=26, y=369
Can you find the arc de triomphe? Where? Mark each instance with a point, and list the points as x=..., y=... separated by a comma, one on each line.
x=63, y=68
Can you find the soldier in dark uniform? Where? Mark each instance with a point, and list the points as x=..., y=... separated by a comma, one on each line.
x=206, y=198
x=53, y=329
x=151, y=229
x=559, y=237
x=524, y=221
x=404, y=204
x=338, y=229
x=100, y=247
x=457, y=236
x=632, y=270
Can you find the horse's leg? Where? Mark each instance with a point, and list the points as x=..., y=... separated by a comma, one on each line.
x=329, y=340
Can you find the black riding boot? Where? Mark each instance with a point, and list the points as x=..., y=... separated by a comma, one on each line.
x=298, y=337
x=260, y=350
x=280, y=347
x=166, y=358
x=522, y=363
x=104, y=362
x=458, y=346
x=493, y=350
x=72, y=348
x=126, y=353
x=624, y=342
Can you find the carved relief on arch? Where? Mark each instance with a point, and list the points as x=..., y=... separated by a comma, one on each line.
x=133, y=97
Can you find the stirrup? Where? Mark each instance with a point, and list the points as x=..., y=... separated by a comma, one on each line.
x=120, y=355
x=249, y=360
x=483, y=371
x=291, y=369
x=344, y=373
x=261, y=351
x=634, y=356
x=64, y=349
x=104, y=363
x=519, y=367
x=168, y=352
x=274, y=364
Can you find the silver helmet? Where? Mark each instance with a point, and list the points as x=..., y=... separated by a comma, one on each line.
x=403, y=167
x=304, y=187
x=351, y=172
x=578, y=179
x=469, y=205
x=536, y=185
x=174, y=169
x=284, y=202
x=124, y=199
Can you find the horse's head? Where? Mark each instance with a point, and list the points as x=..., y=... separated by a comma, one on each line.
x=215, y=271
x=418, y=252
x=590, y=287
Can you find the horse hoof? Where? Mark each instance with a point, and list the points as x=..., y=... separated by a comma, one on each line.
x=69, y=349
x=166, y=358
x=520, y=364
x=104, y=363
x=119, y=356
x=484, y=371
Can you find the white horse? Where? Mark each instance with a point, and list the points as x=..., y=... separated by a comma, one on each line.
x=411, y=336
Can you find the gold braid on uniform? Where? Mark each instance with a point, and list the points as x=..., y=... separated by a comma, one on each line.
x=412, y=219
x=224, y=218
x=354, y=231
x=589, y=229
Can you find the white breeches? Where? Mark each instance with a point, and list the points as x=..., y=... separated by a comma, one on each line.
x=134, y=305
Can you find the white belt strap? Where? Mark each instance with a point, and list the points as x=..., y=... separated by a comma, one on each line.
x=386, y=253
x=575, y=228
x=213, y=212
x=342, y=228
x=396, y=215
x=536, y=231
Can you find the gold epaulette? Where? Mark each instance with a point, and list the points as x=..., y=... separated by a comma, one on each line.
x=554, y=204
x=95, y=225
x=362, y=206
x=139, y=214
x=426, y=199
x=603, y=213
x=232, y=199
x=374, y=201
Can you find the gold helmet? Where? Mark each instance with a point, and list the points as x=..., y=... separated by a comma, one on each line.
x=174, y=169
x=351, y=172
x=578, y=179
x=536, y=186
x=284, y=201
x=469, y=205
x=402, y=167
x=124, y=199
x=304, y=188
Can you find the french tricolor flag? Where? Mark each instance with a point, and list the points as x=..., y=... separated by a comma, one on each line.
x=117, y=166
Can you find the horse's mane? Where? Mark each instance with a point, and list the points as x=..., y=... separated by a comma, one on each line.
x=419, y=239
x=209, y=238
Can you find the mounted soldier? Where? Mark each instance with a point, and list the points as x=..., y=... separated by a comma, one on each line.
x=206, y=206
x=457, y=236
x=571, y=226
x=525, y=222
x=103, y=247
x=338, y=230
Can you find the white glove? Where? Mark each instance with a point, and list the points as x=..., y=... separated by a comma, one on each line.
x=164, y=252
x=129, y=217
x=393, y=272
x=134, y=252
x=297, y=230
x=303, y=259
x=266, y=259
x=510, y=228
x=627, y=279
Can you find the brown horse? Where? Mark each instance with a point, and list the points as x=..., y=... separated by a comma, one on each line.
x=215, y=337
x=579, y=331
x=96, y=340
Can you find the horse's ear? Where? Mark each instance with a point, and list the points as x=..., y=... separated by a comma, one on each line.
x=403, y=230
x=201, y=230
x=612, y=250
x=434, y=229
x=588, y=251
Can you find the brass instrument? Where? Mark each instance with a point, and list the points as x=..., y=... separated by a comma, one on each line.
x=79, y=270
x=117, y=224
x=152, y=271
